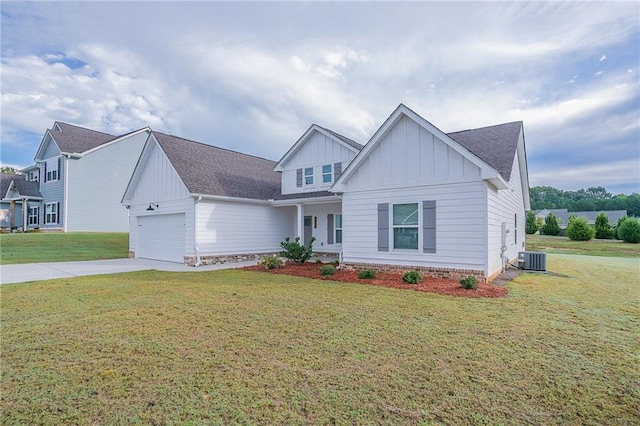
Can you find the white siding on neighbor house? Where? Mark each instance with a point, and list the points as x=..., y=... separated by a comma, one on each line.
x=319, y=224
x=408, y=154
x=228, y=227
x=318, y=150
x=460, y=226
x=502, y=206
x=184, y=206
x=96, y=184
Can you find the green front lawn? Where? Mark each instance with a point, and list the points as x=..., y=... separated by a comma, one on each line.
x=610, y=248
x=58, y=247
x=238, y=347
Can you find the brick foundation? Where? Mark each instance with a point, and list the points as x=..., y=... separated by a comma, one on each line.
x=451, y=274
x=325, y=255
x=227, y=258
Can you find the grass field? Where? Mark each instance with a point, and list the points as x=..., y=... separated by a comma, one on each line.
x=59, y=247
x=609, y=248
x=238, y=347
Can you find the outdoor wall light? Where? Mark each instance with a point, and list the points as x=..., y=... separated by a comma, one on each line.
x=151, y=207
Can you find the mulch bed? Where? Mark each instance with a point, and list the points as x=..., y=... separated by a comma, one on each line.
x=393, y=280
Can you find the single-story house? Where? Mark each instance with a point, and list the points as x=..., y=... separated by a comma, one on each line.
x=20, y=202
x=412, y=197
x=563, y=215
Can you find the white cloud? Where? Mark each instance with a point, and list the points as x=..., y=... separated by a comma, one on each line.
x=603, y=57
x=573, y=177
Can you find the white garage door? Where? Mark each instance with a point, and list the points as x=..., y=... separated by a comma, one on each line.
x=161, y=237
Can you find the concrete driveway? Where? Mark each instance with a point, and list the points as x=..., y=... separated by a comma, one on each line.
x=47, y=271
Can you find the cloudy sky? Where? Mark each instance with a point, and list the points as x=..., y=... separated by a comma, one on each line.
x=254, y=76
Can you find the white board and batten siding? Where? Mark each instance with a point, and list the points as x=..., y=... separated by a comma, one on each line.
x=96, y=184
x=318, y=150
x=159, y=184
x=227, y=227
x=320, y=226
x=502, y=207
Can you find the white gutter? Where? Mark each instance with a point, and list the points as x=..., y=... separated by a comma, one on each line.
x=195, y=231
x=224, y=198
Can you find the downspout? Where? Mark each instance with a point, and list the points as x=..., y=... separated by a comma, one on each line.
x=341, y=254
x=195, y=231
x=66, y=193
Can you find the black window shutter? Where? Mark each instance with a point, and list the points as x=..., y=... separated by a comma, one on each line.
x=59, y=166
x=299, y=178
x=45, y=171
x=329, y=229
x=383, y=227
x=337, y=170
x=428, y=226
x=58, y=213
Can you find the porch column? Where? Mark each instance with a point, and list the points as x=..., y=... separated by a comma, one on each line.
x=25, y=212
x=300, y=221
x=12, y=214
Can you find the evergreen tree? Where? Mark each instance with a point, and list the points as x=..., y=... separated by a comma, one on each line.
x=603, y=229
x=531, y=225
x=551, y=226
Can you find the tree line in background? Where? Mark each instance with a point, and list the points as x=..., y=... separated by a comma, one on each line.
x=590, y=199
x=626, y=229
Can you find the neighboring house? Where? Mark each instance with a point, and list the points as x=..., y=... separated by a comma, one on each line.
x=82, y=174
x=563, y=215
x=20, y=202
x=413, y=197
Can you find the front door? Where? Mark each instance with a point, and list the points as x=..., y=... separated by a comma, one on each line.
x=307, y=230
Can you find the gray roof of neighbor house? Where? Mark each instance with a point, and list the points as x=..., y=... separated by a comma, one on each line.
x=344, y=139
x=77, y=139
x=209, y=170
x=24, y=187
x=495, y=145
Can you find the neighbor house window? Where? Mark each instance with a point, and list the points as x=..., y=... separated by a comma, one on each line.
x=52, y=170
x=405, y=226
x=51, y=213
x=308, y=176
x=34, y=176
x=338, y=229
x=34, y=218
x=326, y=173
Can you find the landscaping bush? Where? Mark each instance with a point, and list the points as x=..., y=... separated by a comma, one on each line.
x=531, y=225
x=327, y=270
x=579, y=230
x=367, y=274
x=603, y=229
x=617, y=227
x=295, y=251
x=629, y=231
x=412, y=277
x=318, y=261
x=469, y=283
x=550, y=226
x=271, y=262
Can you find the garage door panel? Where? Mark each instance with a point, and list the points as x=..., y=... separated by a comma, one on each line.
x=161, y=237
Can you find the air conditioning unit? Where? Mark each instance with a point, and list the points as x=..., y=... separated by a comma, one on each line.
x=532, y=260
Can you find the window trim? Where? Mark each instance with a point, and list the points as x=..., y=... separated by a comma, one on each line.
x=326, y=174
x=336, y=228
x=393, y=227
x=33, y=215
x=53, y=217
x=51, y=174
x=307, y=177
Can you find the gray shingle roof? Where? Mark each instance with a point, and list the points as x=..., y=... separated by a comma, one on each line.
x=344, y=139
x=302, y=195
x=207, y=169
x=77, y=139
x=24, y=187
x=495, y=145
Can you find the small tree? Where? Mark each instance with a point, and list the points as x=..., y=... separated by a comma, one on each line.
x=579, y=229
x=551, y=226
x=531, y=226
x=629, y=231
x=603, y=229
x=617, y=227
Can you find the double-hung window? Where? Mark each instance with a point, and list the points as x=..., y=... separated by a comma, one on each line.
x=34, y=215
x=308, y=176
x=51, y=170
x=338, y=229
x=51, y=213
x=326, y=173
x=405, y=226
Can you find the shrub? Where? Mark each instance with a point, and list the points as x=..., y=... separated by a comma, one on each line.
x=617, y=227
x=295, y=251
x=367, y=274
x=629, y=231
x=603, y=229
x=327, y=270
x=469, y=283
x=531, y=225
x=318, y=261
x=412, y=277
x=579, y=230
x=551, y=226
x=271, y=262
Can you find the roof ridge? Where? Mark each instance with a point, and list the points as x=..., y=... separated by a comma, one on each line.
x=486, y=127
x=213, y=146
x=80, y=127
